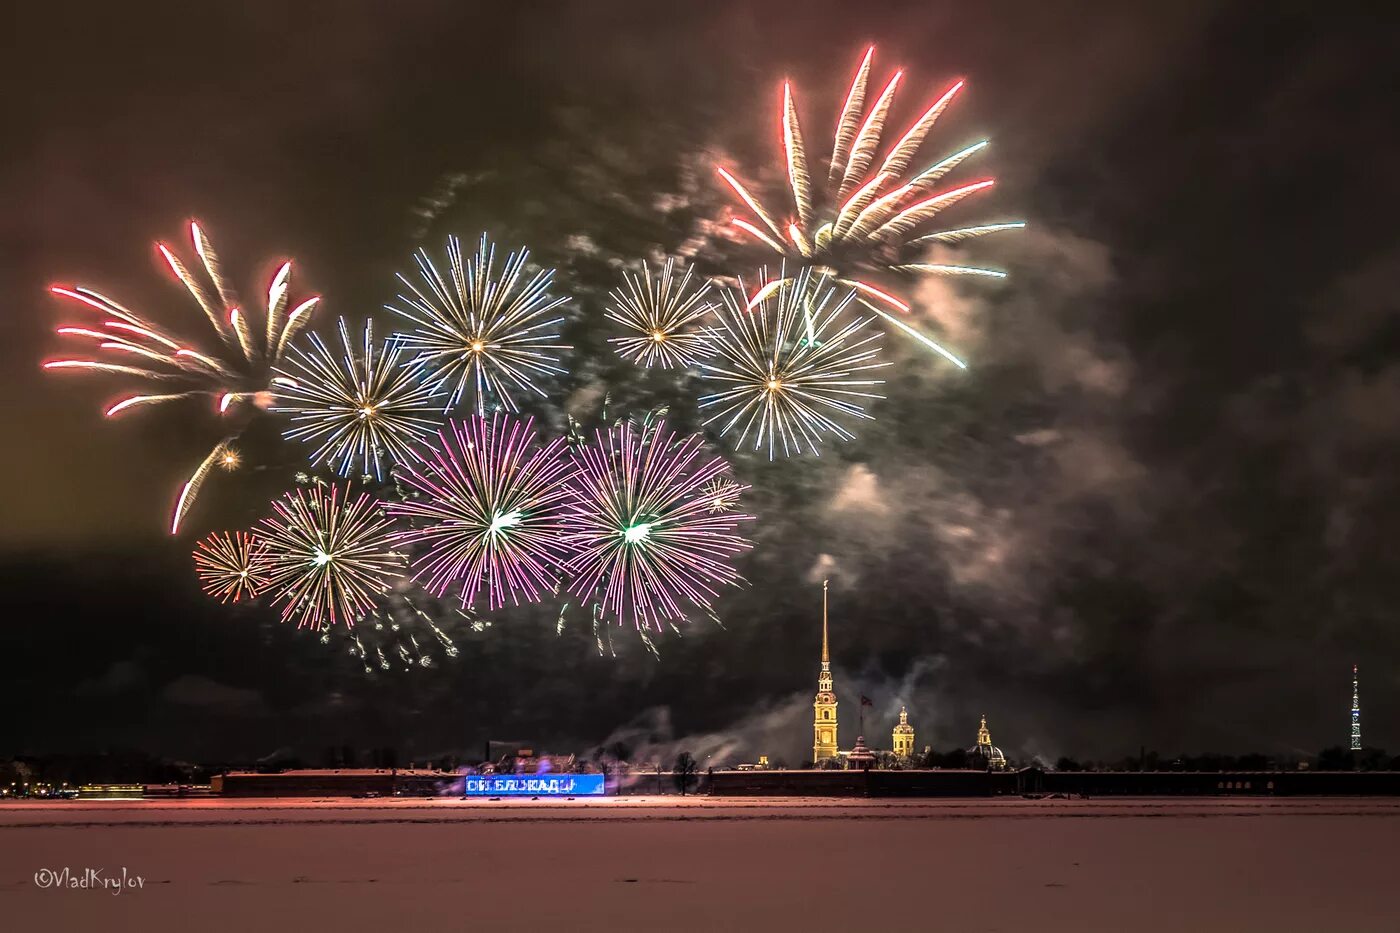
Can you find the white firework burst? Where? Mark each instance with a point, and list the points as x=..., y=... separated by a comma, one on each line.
x=661, y=312
x=357, y=406
x=480, y=332
x=791, y=364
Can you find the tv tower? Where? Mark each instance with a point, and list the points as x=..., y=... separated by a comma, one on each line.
x=1355, y=712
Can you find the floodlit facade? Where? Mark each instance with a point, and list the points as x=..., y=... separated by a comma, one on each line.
x=903, y=736
x=984, y=754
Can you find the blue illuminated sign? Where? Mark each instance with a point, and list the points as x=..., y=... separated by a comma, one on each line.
x=534, y=785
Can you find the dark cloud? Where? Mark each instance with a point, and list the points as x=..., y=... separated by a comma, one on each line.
x=120, y=678
x=198, y=691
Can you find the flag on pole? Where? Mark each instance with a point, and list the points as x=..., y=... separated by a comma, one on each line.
x=865, y=700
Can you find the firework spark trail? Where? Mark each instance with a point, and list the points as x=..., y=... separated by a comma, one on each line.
x=790, y=362
x=395, y=624
x=330, y=555
x=487, y=334
x=221, y=455
x=864, y=217
x=491, y=504
x=356, y=406
x=646, y=545
x=239, y=369
x=660, y=311
x=231, y=566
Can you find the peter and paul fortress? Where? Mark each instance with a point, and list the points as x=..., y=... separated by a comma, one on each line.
x=824, y=736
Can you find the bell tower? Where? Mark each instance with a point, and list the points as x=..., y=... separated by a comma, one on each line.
x=904, y=736
x=824, y=706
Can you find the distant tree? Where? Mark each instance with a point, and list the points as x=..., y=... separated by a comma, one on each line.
x=348, y=759
x=684, y=771
x=954, y=759
x=1068, y=764
x=1370, y=759
x=1334, y=758
x=1207, y=762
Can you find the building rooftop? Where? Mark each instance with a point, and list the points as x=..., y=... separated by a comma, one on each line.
x=327, y=772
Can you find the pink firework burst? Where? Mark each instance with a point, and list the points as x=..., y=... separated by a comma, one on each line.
x=489, y=513
x=862, y=216
x=646, y=542
x=236, y=372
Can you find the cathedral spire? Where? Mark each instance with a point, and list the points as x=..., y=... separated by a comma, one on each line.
x=826, y=656
x=824, y=706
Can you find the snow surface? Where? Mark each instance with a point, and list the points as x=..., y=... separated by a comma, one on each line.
x=709, y=864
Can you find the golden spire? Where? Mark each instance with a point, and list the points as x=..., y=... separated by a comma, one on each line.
x=824, y=705
x=826, y=658
x=984, y=735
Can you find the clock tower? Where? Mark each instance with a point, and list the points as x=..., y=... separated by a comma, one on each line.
x=824, y=726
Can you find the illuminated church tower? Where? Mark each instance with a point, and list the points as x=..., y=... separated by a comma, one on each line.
x=904, y=736
x=824, y=741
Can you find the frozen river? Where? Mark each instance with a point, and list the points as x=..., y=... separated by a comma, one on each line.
x=704, y=864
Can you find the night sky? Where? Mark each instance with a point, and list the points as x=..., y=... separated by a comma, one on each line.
x=1153, y=512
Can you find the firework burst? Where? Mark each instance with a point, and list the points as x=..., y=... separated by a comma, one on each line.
x=660, y=311
x=646, y=545
x=866, y=218
x=490, y=511
x=721, y=495
x=790, y=365
x=484, y=334
x=236, y=372
x=330, y=556
x=358, y=407
x=231, y=566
